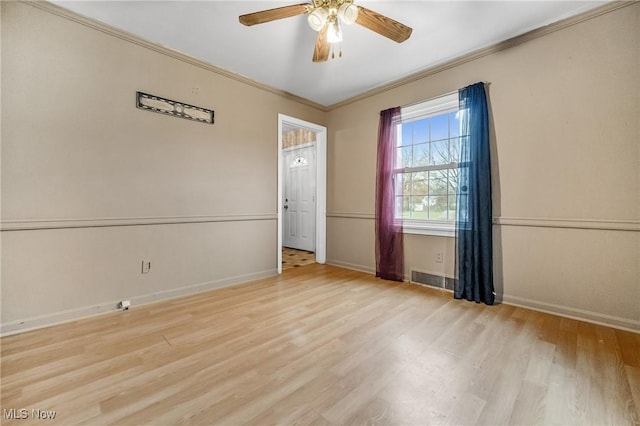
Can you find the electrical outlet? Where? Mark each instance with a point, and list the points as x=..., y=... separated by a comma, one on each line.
x=146, y=266
x=439, y=257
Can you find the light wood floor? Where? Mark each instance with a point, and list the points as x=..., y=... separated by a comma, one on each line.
x=324, y=345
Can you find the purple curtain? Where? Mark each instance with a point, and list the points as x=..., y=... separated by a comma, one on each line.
x=389, y=250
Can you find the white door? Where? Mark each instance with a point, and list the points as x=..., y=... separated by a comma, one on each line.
x=299, y=198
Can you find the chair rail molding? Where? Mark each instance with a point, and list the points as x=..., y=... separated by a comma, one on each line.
x=35, y=224
x=596, y=224
x=351, y=215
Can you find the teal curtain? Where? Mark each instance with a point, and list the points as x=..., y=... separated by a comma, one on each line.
x=474, y=242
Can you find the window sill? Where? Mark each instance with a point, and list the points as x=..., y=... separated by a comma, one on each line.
x=434, y=229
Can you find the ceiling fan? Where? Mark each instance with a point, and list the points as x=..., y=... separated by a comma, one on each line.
x=326, y=16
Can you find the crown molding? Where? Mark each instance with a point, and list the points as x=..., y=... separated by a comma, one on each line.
x=139, y=41
x=523, y=38
x=497, y=47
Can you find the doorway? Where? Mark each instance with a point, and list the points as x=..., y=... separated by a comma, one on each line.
x=301, y=187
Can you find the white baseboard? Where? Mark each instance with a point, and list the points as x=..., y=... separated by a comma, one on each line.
x=563, y=311
x=42, y=321
x=573, y=313
x=34, y=323
x=352, y=266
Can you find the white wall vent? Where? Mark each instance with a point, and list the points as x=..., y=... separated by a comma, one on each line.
x=431, y=280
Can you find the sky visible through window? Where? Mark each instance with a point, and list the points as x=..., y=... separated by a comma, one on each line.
x=427, y=173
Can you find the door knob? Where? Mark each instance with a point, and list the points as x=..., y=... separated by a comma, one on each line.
x=286, y=206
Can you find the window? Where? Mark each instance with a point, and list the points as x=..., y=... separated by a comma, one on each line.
x=299, y=161
x=426, y=173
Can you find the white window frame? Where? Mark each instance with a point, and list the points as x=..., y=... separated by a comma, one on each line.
x=433, y=107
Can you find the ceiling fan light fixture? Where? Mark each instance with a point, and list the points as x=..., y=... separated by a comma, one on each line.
x=334, y=34
x=348, y=13
x=318, y=18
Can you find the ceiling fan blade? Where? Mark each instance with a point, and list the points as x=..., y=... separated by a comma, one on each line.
x=383, y=25
x=321, y=51
x=274, y=14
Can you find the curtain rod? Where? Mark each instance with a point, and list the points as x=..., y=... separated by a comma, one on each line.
x=486, y=83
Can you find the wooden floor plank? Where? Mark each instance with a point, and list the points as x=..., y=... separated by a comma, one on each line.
x=323, y=345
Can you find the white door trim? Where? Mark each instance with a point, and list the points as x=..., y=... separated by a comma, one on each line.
x=321, y=185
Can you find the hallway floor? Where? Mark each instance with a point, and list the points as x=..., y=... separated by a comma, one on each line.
x=292, y=258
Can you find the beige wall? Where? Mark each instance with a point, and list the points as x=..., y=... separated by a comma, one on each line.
x=566, y=152
x=76, y=152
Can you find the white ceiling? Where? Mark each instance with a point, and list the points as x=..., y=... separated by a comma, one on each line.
x=279, y=53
